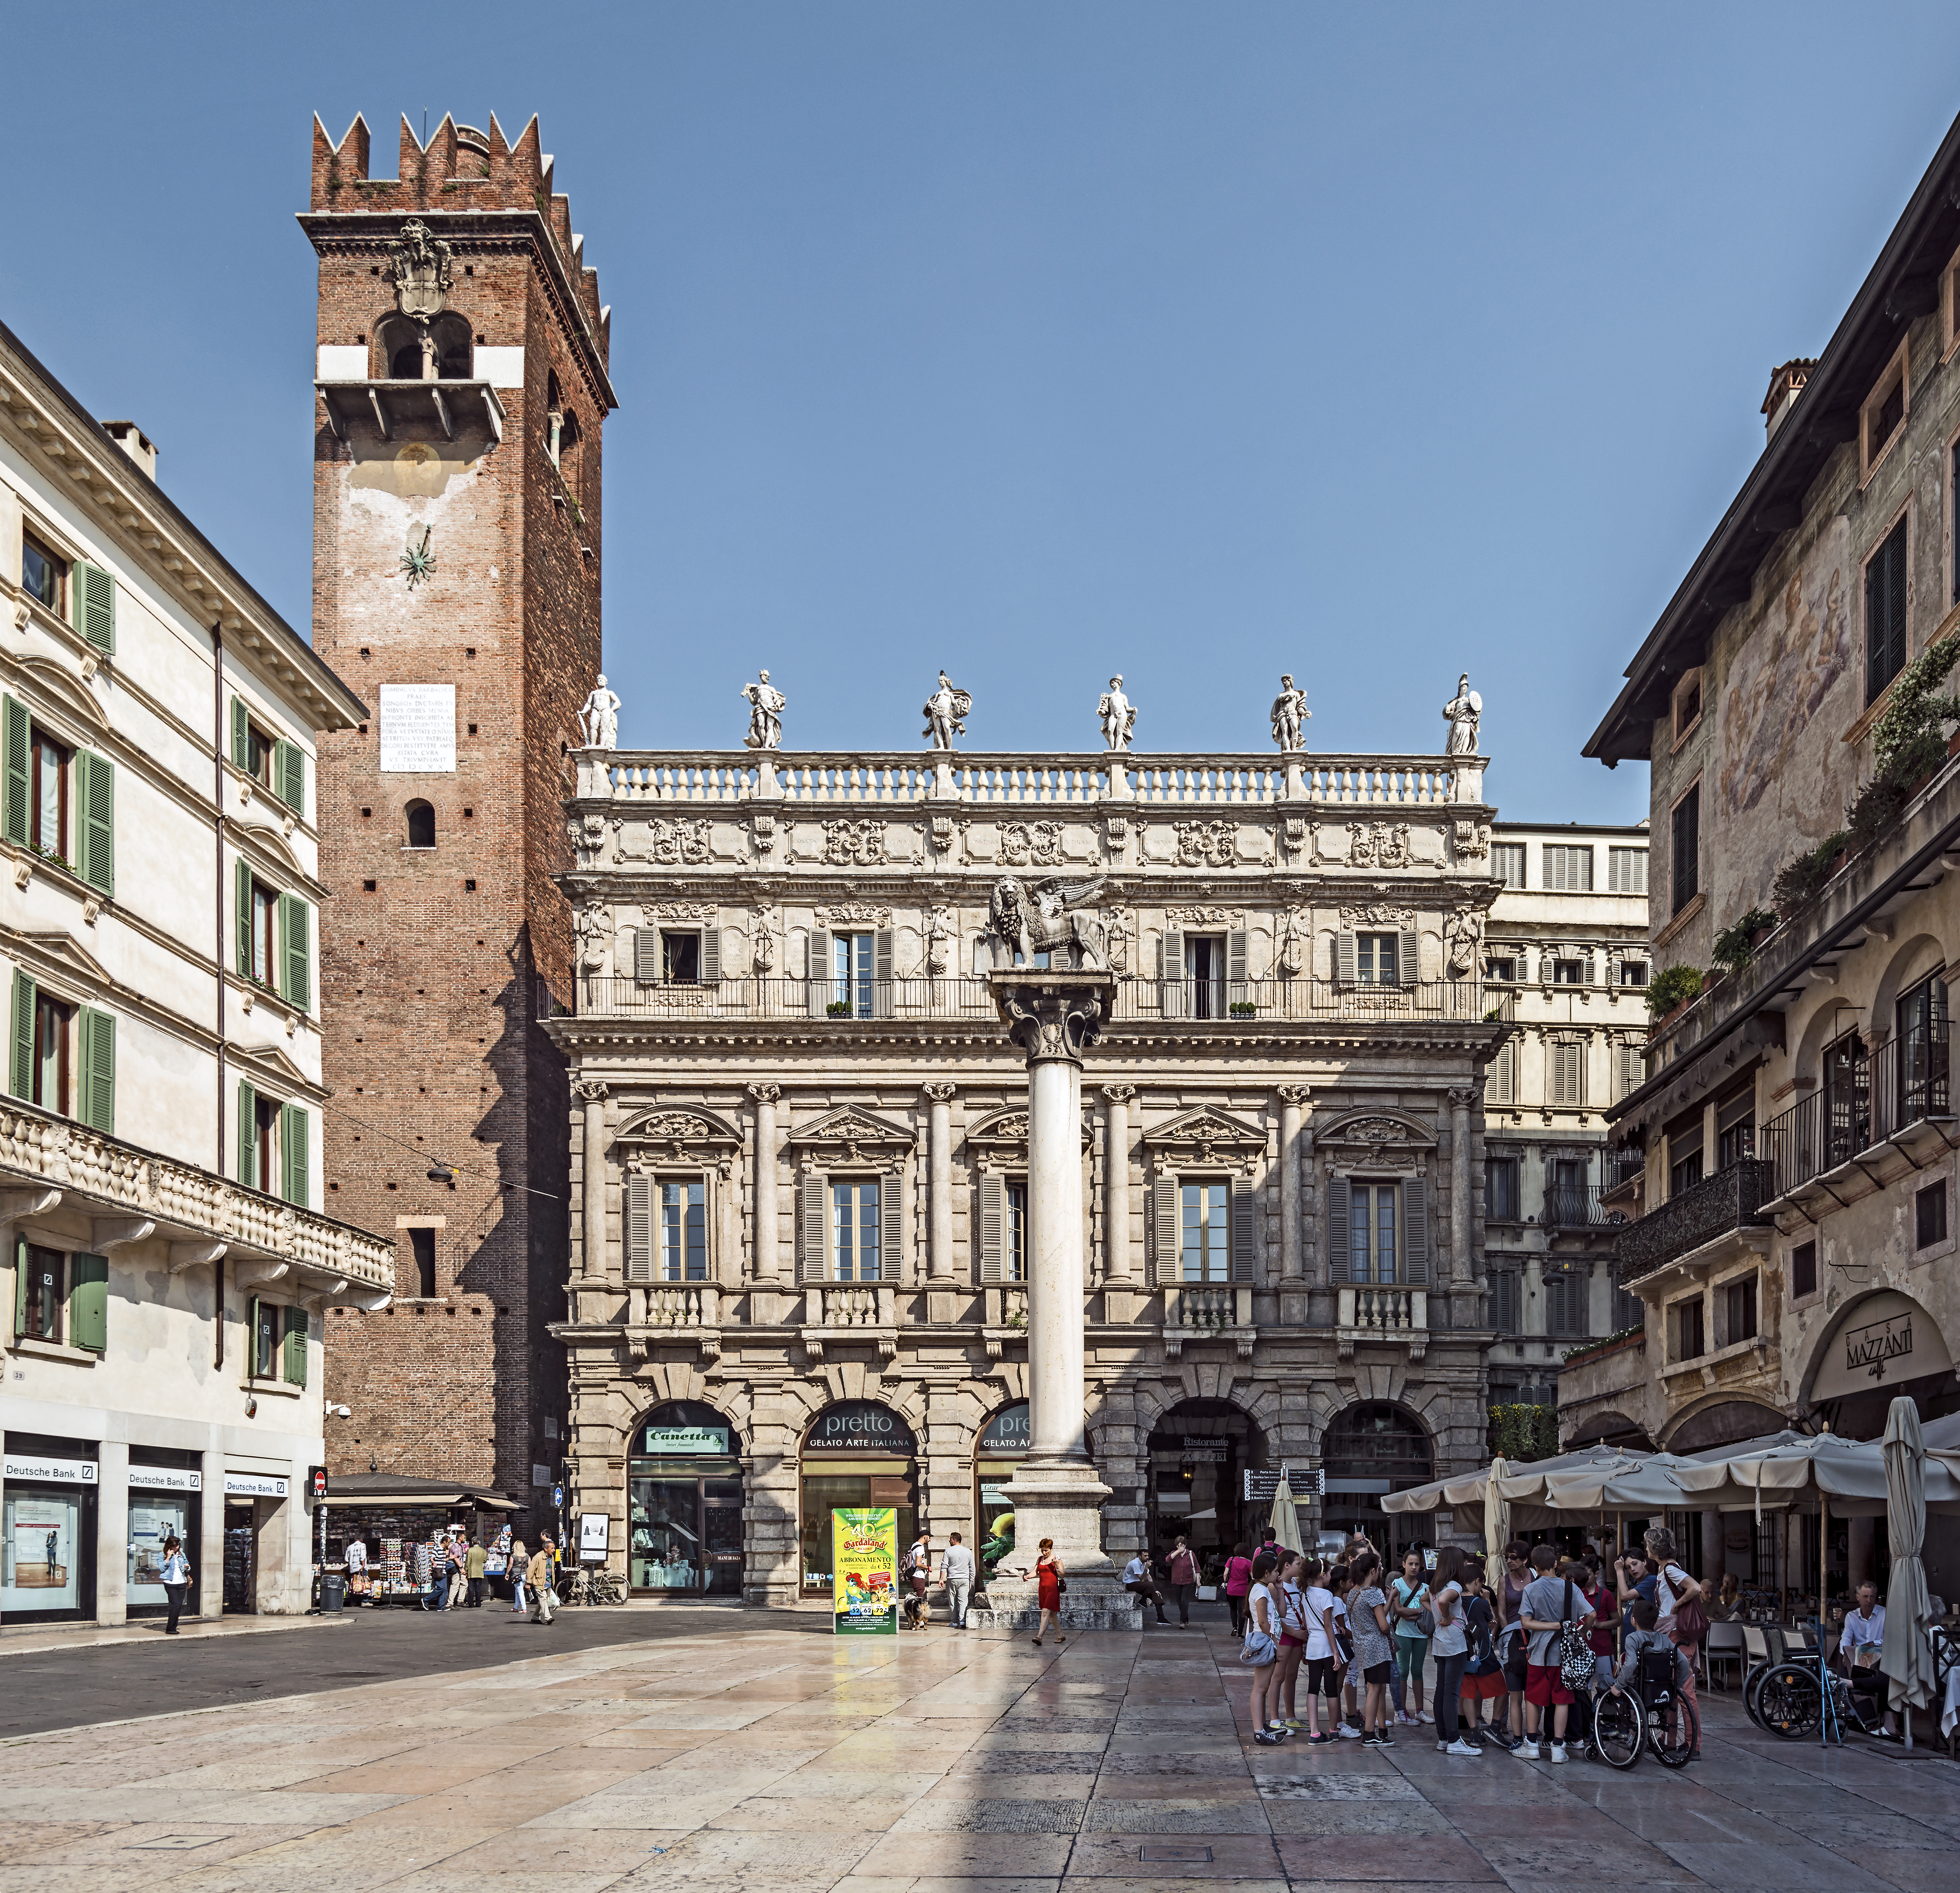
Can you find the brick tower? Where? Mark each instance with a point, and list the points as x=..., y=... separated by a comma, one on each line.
x=460, y=396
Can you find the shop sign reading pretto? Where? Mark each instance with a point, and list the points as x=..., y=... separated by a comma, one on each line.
x=1007, y=1431
x=22, y=1466
x=859, y=1426
x=864, y=1564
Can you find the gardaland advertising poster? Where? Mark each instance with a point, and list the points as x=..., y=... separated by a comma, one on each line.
x=864, y=1564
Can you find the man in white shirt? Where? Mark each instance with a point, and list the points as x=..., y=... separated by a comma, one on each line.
x=1138, y=1579
x=1858, y=1647
x=957, y=1568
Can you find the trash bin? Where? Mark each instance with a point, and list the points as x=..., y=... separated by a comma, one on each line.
x=332, y=1591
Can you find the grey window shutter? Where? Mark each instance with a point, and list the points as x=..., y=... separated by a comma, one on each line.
x=1170, y=972
x=814, y=1241
x=881, y=974
x=711, y=956
x=95, y=605
x=1586, y=969
x=647, y=956
x=96, y=1034
x=1235, y=961
x=19, y=780
x=1338, y=1207
x=21, y=1065
x=983, y=956
x=1167, y=1230
x=1415, y=1232
x=1409, y=958
x=992, y=1228
x=241, y=737
x=890, y=1225
x=1245, y=1230
x=95, y=827
x=1346, y=966
x=818, y=970
x=639, y=1233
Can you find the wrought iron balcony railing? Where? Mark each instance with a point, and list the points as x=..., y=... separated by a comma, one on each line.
x=1732, y=1199
x=1907, y=1082
x=1575, y=1205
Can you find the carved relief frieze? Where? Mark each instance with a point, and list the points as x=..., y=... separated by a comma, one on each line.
x=1295, y=944
x=855, y=843
x=1382, y=844
x=853, y=913
x=673, y=841
x=1377, y=914
x=1471, y=840
x=684, y=910
x=1206, y=844
x=1030, y=843
x=1197, y=917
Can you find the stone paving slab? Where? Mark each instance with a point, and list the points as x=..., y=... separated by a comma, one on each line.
x=751, y=1759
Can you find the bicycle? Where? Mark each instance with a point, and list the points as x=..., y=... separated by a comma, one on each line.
x=1654, y=1716
x=607, y=1587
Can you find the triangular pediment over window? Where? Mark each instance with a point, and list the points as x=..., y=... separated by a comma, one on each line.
x=1204, y=1131
x=847, y=1130
x=67, y=951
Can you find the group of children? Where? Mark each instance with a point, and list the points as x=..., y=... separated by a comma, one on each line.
x=1364, y=1645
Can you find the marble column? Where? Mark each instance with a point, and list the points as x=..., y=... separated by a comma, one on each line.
x=592, y=1216
x=1293, y=1104
x=1053, y=1015
x=1461, y=1273
x=766, y=1225
x=940, y=1252
x=1116, y=1183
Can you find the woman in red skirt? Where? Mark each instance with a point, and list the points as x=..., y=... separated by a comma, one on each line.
x=1048, y=1575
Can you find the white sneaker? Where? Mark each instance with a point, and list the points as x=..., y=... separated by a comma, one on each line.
x=1403, y=1717
x=1460, y=1746
x=1423, y=1715
x=1526, y=1751
x=1558, y=1752
x=1349, y=1732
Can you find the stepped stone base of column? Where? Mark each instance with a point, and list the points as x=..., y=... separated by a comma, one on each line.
x=1062, y=1500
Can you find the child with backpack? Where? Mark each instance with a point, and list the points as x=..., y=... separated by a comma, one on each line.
x=1484, y=1674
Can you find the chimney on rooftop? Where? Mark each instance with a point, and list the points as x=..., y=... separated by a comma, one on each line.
x=1786, y=385
x=135, y=442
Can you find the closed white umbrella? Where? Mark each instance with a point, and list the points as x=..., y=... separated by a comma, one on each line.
x=1907, y=1654
x=1286, y=1519
x=1496, y=1526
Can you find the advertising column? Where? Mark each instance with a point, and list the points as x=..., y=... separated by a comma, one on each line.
x=864, y=1559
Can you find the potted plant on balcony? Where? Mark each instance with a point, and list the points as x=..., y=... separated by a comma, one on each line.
x=1669, y=993
x=1736, y=946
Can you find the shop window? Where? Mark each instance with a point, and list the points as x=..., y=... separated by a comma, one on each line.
x=684, y=1503
x=1928, y=1215
x=856, y=1453
x=43, y=575
x=1803, y=1270
x=48, y=1530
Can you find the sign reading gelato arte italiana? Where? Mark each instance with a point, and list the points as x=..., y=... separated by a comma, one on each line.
x=859, y=1426
x=419, y=729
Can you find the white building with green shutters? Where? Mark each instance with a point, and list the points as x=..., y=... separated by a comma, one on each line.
x=167, y=1257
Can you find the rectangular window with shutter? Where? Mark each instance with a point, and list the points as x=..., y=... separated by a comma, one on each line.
x=1374, y=959
x=94, y=605
x=41, y=1067
x=1172, y=974
x=1014, y=1232
x=1501, y=1200
x=1504, y=1301
x=1502, y=1086
x=44, y=574
x=1687, y=859
x=1626, y=871
x=289, y=774
x=95, y=1070
x=1165, y=1224
x=1002, y=1214
x=1568, y=869
x=853, y=975
x=40, y=1291
x=1205, y=1234
x=813, y=1235
x=1885, y=613
x=855, y=1247
x=268, y=1336
x=680, y=956
x=639, y=1230
x=683, y=1230
x=1204, y=972
x=1507, y=863
x=1568, y=1074
x=18, y=803
x=1629, y=1070
x=1374, y=1232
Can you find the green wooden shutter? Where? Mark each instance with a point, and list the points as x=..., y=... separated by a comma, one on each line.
x=993, y=1229
x=88, y=1302
x=296, y=946
x=1337, y=1239
x=289, y=774
x=1415, y=1232
x=21, y=1071
x=19, y=1284
x=94, y=604
x=248, y=1134
x=96, y=1090
x=241, y=735
x=293, y=1367
x=639, y=1233
x=1167, y=1231
x=95, y=830
x=19, y=781
x=242, y=882
x=1245, y=1230
x=295, y=1155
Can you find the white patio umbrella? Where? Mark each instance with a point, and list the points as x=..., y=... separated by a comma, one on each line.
x=1496, y=1526
x=1906, y=1655
x=1466, y=1494
x=1285, y=1519
x=1844, y=1477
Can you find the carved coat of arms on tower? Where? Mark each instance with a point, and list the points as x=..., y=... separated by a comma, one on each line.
x=419, y=267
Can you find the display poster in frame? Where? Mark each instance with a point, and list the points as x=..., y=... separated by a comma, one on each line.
x=594, y=1536
x=864, y=1564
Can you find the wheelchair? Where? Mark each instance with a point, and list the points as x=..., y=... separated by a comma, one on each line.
x=1653, y=1715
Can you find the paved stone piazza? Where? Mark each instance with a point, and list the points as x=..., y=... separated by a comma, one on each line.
x=777, y=1756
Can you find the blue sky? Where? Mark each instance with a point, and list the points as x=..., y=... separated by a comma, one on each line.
x=1040, y=341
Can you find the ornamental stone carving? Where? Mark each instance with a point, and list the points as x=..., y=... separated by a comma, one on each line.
x=1382, y=844
x=1025, y=843
x=420, y=268
x=1197, y=917
x=764, y=1094
x=1117, y=936
x=1042, y=917
x=591, y=1091
x=1378, y=914
x=1295, y=943
x=860, y=843
x=1463, y=939
x=683, y=911
x=765, y=713
x=1206, y=844
x=762, y=944
x=1471, y=840
x=861, y=912
x=680, y=841
x=1117, y=714
x=1058, y=1020
x=939, y=938
x=946, y=713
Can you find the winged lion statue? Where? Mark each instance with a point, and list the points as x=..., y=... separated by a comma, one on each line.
x=1048, y=915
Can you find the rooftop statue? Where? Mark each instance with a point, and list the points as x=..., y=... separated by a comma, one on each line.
x=1289, y=711
x=598, y=719
x=947, y=711
x=1046, y=916
x=1464, y=712
x=765, y=715
x=1118, y=715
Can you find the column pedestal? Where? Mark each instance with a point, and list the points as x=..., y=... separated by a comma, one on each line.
x=1053, y=1015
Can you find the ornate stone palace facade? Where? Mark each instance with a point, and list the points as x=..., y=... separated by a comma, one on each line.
x=799, y=1137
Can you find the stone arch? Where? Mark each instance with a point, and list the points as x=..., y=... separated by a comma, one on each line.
x=1709, y=1422
x=1823, y=1028
x=649, y=1408
x=1878, y=1308
x=1909, y=962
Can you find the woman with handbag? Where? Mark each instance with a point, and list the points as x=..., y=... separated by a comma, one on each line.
x=1183, y=1579
x=1050, y=1581
x=1260, y=1649
x=1682, y=1617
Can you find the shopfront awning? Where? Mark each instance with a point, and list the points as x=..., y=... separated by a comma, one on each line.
x=350, y=1489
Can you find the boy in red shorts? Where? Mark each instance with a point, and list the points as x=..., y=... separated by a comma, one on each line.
x=1551, y=1599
